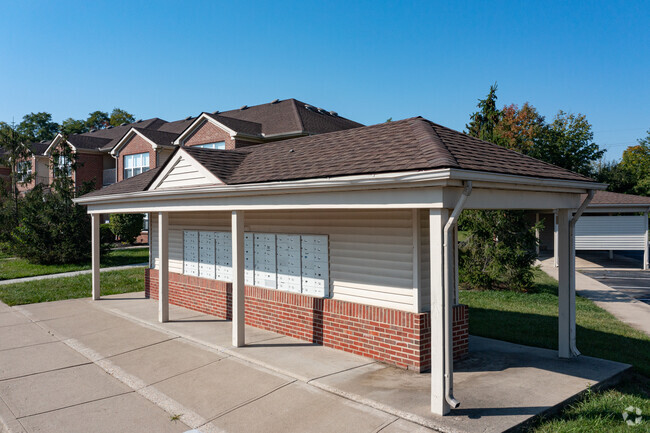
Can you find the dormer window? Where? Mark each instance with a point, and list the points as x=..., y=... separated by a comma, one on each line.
x=216, y=145
x=135, y=164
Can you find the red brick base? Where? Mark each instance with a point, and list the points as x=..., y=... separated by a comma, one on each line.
x=392, y=336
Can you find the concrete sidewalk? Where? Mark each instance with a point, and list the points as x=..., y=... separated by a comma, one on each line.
x=109, y=365
x=70, y=274
x=627, y=309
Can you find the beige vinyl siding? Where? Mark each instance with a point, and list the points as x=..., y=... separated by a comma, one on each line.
x=370, y=251
x=425, y=265
x=184, y=174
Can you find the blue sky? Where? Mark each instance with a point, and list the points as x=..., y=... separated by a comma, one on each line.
x=368, y=60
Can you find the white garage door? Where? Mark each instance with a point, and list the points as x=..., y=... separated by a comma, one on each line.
x=611, y=233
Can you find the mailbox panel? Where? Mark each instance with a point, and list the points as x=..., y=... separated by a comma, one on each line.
x=206, y=255
x=191, y=252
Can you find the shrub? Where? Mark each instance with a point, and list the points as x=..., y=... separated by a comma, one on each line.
x=106, y=235
x=499, y=250
x=127, y=227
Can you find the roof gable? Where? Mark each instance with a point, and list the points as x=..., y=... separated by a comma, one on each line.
x=183, y=171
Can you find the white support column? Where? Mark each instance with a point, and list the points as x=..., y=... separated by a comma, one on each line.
x=95, y=224
x=437, y=220
x=555, y=245
x=163, y=268
x=566, y=288
x=238, y=295
x=646, y=252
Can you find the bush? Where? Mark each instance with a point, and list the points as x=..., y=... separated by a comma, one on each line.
x=106, y=235
x=499, y=250
x=52, y=230
x=127, y=227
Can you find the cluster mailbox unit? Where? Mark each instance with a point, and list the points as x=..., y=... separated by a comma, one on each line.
x=287, y=262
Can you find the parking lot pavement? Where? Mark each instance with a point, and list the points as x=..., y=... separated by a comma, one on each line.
x=631, y=282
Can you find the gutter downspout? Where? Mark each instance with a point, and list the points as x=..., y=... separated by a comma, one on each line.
x=449, y=351
x=572, y=262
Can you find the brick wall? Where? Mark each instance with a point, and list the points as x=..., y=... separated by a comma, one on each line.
x=209, y=133
x=134, y=146
x=90, y=166
x=392, y=336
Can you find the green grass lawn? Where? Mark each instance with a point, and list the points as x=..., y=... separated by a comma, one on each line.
x=57, y=289
x=531, y=319
x=20, y=268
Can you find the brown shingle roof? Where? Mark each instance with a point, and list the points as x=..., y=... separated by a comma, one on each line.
x=84, y=141
x=606, y=197
x=136, y=183
x=291, y=115
x=158, y=137
x=405, y=145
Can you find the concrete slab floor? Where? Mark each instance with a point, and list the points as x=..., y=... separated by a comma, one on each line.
x=499, y=385
x=22, y=335
x=44, y=392
x=23, y=361
x=9, y=318
x=299, y=407
x=127, y=413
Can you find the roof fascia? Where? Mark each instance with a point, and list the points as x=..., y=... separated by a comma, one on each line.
x=478, y=176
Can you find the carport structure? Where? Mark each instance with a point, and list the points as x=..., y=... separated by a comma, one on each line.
x=377, y=206
x=611, y=222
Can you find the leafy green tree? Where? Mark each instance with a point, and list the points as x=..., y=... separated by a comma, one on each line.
x=38, y=127
x=568, y=142
x=126, y=226
x=119, y=116
x=614, y=174
x=97, y=120
x=499, y=250
x=73, y=126
x=636, y=163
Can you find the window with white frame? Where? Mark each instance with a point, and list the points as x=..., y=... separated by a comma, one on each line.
x=23, y=170
x=216, y=145
x=288, y=262
x=135, y=164
x=63, y=165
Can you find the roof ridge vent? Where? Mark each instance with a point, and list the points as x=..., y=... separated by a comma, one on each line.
x=322, y=110
x=123, y=124
x=275, y=101
x=243, y=107
x=311, y=108
x=93, y=130
x=110, y=127
x=334, y=113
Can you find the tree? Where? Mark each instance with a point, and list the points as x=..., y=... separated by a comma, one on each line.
x=119, y=116
x=567, y=142
x=73, y=126
x=518, y=128
x=636, y=163
x=53, y=229
x=614, y=174
x=38, y=127
x=17, y=156
x=500, y=246
x=127, y=227
x=484, y=122
x=97, y=120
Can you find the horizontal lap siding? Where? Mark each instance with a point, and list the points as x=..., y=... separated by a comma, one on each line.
x=611, y=232
x=371, y=252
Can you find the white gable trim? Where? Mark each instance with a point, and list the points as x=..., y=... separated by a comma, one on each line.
x=124, y=140
x=211, y=179
x=198, y=123
x=55, y=143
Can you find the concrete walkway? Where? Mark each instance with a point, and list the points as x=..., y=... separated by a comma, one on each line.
x=624, y=307
x=78, y=366
x=70, y=274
